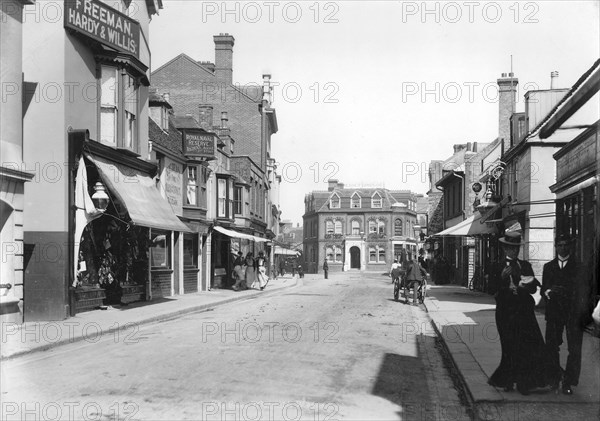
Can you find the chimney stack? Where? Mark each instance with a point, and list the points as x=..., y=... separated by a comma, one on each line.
x=224, y=58
x=331, y=184
x=553, y=77
x=206, y=117
x=224, y=119
x=507, y=95
x=267, y=89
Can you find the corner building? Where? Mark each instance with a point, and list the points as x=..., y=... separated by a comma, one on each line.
x=85, y=126
x=362, y=229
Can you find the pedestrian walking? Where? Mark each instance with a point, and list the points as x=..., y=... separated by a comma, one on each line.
x=564, y=288
x=250, y=272
x=281, y=266
x=524, y=360
x=414, y=276
x=261, y=271
x=239, y=274
x=325, y=268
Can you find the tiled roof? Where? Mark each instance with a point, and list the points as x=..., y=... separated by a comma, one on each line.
x=171, y=140
x=186, y=122
x=388, y=198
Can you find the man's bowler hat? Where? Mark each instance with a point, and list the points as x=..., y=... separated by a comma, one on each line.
x=511, y=239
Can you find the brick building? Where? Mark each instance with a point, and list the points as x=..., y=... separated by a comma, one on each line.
x=358, y=228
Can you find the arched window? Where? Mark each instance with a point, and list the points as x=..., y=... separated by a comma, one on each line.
x=355, y=227
x=329, y=253
x=380, y=227
x=381, y=256
x=338, y=254
x=398, y=227
x=372, y=255
x=328, y=227
x=338, y=227
x=372, y=227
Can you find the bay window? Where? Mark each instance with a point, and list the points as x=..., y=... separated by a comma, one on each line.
x=119, y=101
x=191, y=197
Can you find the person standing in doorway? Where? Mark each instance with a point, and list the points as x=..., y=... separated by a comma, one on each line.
x=564, y=289
x=325, y=268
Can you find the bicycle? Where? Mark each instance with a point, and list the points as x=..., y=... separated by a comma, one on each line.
x=396, y=279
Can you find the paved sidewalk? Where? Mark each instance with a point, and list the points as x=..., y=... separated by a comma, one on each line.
x=466, y=322
x=17, y=340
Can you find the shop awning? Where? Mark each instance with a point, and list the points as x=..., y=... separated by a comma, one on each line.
x=284, y=251
x=138, y=192
x=470, y=226
x=236, y=234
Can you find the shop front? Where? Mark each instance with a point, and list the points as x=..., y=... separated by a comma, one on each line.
x=125, y=235
x=226, y=243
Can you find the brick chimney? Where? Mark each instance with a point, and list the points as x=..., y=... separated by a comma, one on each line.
x=331, y=184
x=507, y=95
x=224, y=57
x=206, y=117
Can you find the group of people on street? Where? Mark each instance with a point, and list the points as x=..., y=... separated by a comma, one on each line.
x=250, y=271
x=414, y=271
x=528, y=359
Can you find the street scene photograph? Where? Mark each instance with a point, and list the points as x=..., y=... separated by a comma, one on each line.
x=299, y=210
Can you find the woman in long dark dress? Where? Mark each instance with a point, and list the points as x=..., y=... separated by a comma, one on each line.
x=524, y=360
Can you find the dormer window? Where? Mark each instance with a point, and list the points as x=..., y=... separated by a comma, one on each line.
x=334, y=202
x=376, y=201
x=355, y=201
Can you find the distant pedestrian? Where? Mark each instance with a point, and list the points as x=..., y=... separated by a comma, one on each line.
x=565, y=290
x=395, y=270
x=281, y=266
x=250, y=269
x=261, y=271
x=325, y=268
x=239, y=272
x=300, y=271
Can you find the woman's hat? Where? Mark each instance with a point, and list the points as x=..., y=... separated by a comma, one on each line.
x=512, y=239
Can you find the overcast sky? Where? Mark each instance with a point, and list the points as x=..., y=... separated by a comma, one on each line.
x=371, y=92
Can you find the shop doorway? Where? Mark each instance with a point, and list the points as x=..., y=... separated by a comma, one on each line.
x=354, y=257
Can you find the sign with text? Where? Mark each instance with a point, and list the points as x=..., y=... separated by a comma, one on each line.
x=198, y=143
x=104, y=24
x=172, y=182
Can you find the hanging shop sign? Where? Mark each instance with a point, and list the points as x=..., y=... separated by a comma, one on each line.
x=198, y=143
x=104, y=24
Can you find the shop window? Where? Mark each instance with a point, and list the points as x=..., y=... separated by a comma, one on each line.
x=221, y=197
x=376, y=201
x=338, y=227
x=192, y=186
x=118, y=108
x=355, y=228
x=190, y=250
x=160, y=249
x=355, y=201
x=398, y=227
x=329, y=227
x=237, y=200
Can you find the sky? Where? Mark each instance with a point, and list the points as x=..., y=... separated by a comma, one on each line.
x=370, y=92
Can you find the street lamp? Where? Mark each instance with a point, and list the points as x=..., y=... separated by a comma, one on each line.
x=100, y=198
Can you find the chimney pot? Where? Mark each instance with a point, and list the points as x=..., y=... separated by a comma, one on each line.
x=331, y=184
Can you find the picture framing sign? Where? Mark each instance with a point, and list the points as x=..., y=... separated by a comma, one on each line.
x=104, y=24
x=199, y=143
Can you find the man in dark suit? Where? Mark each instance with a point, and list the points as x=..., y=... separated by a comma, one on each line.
x=564, y=289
